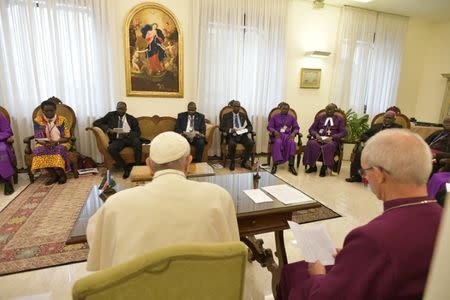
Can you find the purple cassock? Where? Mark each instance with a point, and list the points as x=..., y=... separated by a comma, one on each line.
x=437, y=182
x=6, y=154
x=388, y=258
x=324, y=127
x=284, y=147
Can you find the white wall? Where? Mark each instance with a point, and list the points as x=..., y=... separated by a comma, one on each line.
x=425, y=58
x=309, y=29
x=432, y=84
x=142, y=106
x=416, y=44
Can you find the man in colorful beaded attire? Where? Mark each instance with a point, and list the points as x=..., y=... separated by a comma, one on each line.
x=326, y=132
x=389, y=257
x=283, y=128
x=52, y=134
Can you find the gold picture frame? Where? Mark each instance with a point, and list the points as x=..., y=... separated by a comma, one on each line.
x=153, y=52
x=310, y=78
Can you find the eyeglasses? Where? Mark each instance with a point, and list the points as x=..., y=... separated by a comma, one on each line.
x=362, y=171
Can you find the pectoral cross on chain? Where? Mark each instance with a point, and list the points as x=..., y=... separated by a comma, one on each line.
x=329, y=131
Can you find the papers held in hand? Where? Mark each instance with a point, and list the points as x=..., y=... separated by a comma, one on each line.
x=241, y=130
x=42, y=139
x=314, y=242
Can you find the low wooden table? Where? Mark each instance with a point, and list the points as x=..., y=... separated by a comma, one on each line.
x=141, y=174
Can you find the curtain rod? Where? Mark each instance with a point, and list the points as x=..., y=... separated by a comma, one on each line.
x=377, y=11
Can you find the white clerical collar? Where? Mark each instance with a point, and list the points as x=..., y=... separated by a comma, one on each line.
x=329, y=120
x=168, y=172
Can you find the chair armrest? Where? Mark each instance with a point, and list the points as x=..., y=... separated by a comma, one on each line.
x=73, y=146
x=27, y=142
x=10, y=140
x=101, y=138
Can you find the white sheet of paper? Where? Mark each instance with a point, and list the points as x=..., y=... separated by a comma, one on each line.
x=258, y=196
x=241, y=131
x=287, y=194
x=324, y=137
x=447, y=186
x=42, y=139
x=314, y=242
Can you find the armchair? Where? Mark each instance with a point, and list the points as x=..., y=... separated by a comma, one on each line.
x=67, y=112
x=277, y=110
x=240, y=149
x=192, y=271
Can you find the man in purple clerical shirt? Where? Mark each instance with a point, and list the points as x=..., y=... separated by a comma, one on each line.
x=389, y=257
x=326, y=132
x=283, y=128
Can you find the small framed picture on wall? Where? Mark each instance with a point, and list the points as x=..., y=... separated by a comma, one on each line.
x=310, y=78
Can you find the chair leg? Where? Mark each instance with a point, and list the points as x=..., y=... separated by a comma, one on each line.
x=30, y=175
x=298, y=159
x=268, y=158
x=16, y=177
x=224, y=160
x=75, y=169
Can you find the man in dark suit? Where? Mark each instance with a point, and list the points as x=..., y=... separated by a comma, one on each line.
x=388, y=122
x=123, y=131
x=191, y=125
x=232, y=124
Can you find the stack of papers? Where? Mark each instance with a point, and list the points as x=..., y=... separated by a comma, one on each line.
x=287, y=194
x=258, y=196
x=314, y=242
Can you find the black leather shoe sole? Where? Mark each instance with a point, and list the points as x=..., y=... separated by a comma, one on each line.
x=323, y=171
x=292, y=170
x=274, y=169
x=353, y=179
x=311, y=170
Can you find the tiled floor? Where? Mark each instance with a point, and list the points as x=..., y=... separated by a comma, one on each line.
x=352, y=200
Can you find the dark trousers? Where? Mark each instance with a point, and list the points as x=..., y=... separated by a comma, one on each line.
x=199, y=144
x=356, y=163
x=240, y=139
x=116, y=146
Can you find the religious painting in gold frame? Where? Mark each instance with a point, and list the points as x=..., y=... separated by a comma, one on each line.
x=310, y=78
x=153, y=52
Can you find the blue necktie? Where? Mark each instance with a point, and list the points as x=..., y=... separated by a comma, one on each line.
x=236, y=121
x=120, y=122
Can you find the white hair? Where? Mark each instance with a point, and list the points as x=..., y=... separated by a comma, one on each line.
x=401, y=153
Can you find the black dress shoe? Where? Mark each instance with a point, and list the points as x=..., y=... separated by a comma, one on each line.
x=353, y=179
x=292, y=170
x=274, y=169
x=232, y=167
x=311, y=170
x=323, y=171
x=62, y=179
x=245, y=165
x=8, y=189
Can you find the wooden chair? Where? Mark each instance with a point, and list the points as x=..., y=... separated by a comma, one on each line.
x=10, y=141
x=72, y=154
x=400, y=119
x=292, y=112
x=340, y=149
x=240, y=149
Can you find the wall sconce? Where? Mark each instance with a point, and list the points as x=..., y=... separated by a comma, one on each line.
x=317, y=53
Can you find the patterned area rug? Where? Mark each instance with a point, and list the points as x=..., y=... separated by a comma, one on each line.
x=314, y=214
x=36, y=224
